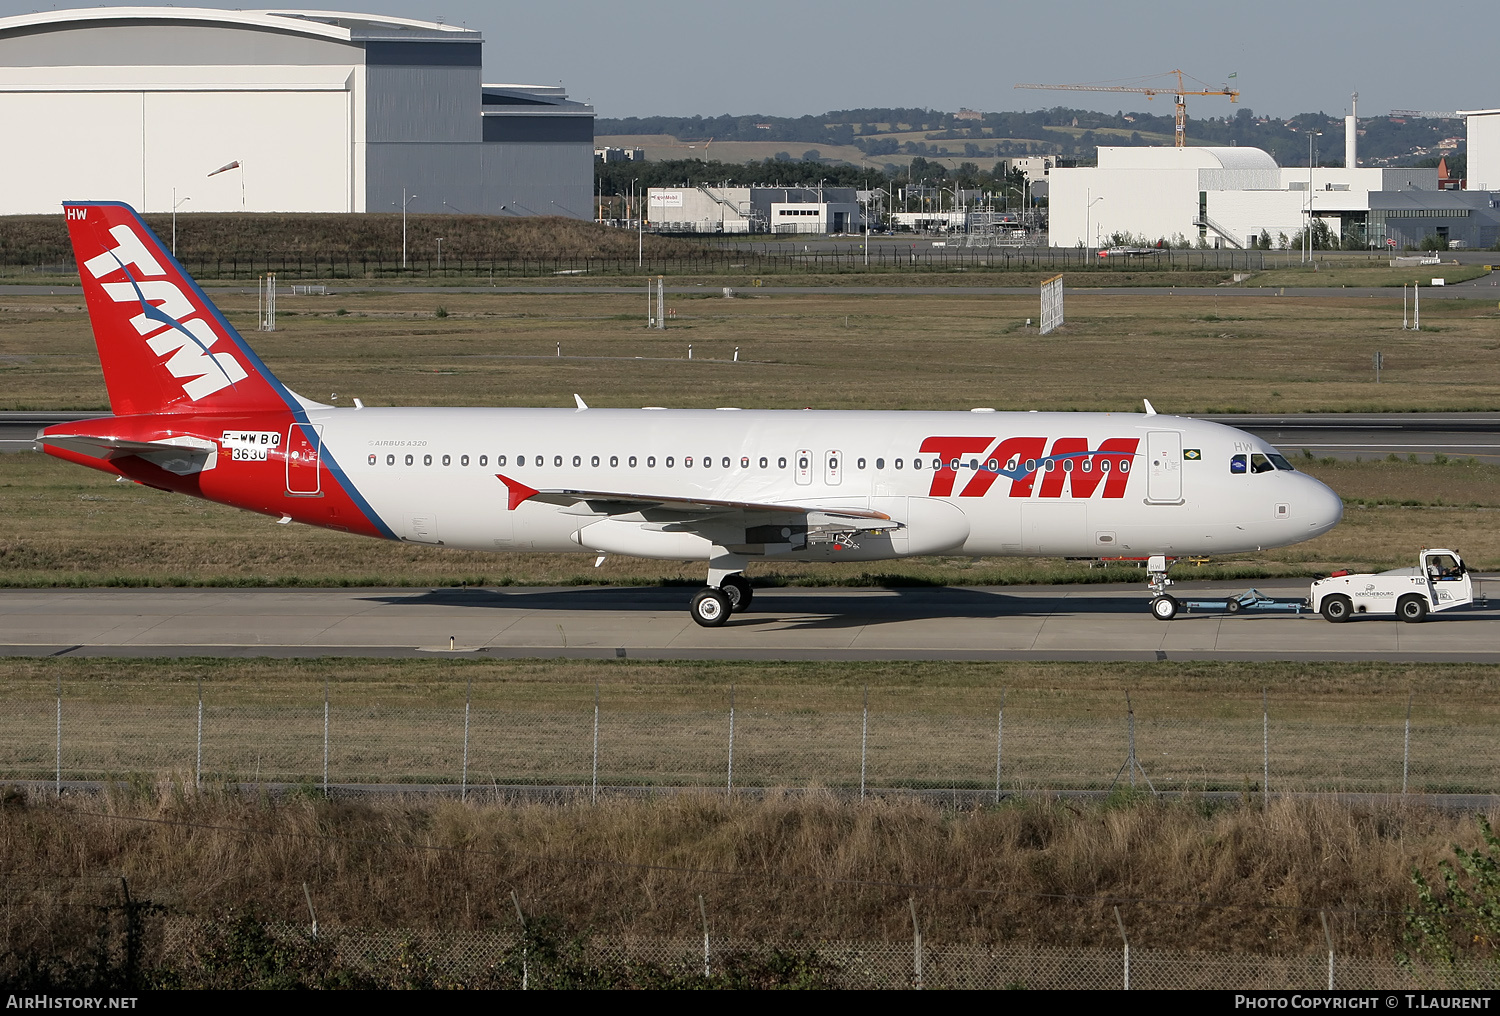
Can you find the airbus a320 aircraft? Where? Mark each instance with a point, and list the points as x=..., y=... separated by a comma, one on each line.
x=196, y=412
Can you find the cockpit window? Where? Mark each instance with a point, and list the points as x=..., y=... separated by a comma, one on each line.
x=1237, y=464
x=1260, y=464
x=1280, y=462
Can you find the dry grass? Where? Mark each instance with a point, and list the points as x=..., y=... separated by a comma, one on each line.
x=1186, y=876
x=1199, y=726
x=833, y=350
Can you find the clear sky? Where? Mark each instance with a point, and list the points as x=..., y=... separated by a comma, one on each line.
x=788, y=58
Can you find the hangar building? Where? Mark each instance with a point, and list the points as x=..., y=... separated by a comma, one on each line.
x=1227, y=196
x=311, y=111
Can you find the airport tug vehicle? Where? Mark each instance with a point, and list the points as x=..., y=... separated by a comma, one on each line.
x=1439, y=581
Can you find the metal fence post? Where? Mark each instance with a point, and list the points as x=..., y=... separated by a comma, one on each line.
x=916, y=943
x=729, y=779
x=1265, y=751
x=58, y=785
x=325, y=737
x=707, y=970
x=463, y=780
x=198, y=766
x=864, y=742
x=1328, y=938
x=1406, y=747
x=594, y=797
x=1125, y=939
x=999, y=744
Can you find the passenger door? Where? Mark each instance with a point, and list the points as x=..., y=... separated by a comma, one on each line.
x=1164, y=467
x=303, y=478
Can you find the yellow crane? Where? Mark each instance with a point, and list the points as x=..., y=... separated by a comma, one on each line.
x=1180, y=92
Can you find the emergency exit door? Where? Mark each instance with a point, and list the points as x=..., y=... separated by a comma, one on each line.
x=1164, y=467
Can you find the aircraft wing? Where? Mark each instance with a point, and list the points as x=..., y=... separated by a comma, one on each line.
x=612, y=503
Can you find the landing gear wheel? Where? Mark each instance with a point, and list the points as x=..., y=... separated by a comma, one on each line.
x=1164, y=608
x=1337, y=609
x=739, y=591
x=710, y=608
x=1412, y=609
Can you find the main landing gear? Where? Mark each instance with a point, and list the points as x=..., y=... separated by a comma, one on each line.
x=728, y=592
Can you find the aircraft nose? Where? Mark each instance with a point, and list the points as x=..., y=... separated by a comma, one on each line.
x=1324, y=508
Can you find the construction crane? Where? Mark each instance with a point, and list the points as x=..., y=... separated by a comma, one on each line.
x=1179, y=92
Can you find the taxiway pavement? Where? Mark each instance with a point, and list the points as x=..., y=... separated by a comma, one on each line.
x=1078, y=622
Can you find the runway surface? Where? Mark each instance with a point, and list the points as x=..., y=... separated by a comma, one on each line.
x=1342, y=435
x=1089, y=623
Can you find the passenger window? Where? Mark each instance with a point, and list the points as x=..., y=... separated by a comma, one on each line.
x=372, y=460
x=632, y=462
x=1031, y=465
x=1067, y=465
x=688, y=462
x=1051, y=465
x=669, y=462
x=880, y=463
x=650, y=461
x=577, y=460
x=426, y=460
x=938, y=463
x=614, y=461
x=408, y=460
x=802, y=462
x=1260, y=464
x=898, y=463
x=556, y=460
x=1087, y=465
x=390, y=460
x=1104, y=465
x=763, y=462
x=447, y=460
x=915, y=463
x=744, y=462
x=500, y=460
x=726, y=462
x=860, y=463
x=781, y=463
x=1237, y=464
x=1124, y=465
x=484, y=460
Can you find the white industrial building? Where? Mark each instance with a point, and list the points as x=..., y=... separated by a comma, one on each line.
x=707, y=209
x=1483, y=148
x=1221, y=196
x=314, y=111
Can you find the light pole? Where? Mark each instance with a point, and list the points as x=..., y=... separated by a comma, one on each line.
x=1307, y=238
x=1088, y=212
x=175, y=205
x=440, y=253
x=405, y=200
x=640, y=227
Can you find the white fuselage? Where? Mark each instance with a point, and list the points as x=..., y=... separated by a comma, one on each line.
x=1056, y=484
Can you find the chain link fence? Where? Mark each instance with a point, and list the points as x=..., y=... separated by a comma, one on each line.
x=772, y=259
x=472, y=736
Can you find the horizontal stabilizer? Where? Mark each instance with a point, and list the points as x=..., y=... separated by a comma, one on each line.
x=180, y=455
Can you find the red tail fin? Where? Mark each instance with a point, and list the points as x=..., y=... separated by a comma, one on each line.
x=163, y=345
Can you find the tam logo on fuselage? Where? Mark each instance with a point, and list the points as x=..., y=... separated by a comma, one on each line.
x=166, y=320
x=1070, y=464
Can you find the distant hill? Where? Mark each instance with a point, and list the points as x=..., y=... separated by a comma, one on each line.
x=896, y=135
